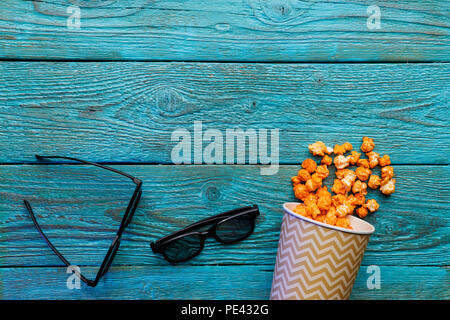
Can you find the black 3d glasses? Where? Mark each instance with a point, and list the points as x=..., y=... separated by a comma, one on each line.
x=228, y=227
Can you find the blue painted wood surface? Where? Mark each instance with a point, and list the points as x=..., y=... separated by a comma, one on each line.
x=124, y=112
x=73, y=202
x=90, y=109
x=210, y=282
x=226, y=30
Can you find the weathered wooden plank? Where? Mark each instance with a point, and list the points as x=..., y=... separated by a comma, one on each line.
x=81, y=211
x=90, y=109
x=274, y=30
x=213, y=282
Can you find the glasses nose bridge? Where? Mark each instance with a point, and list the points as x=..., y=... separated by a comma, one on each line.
x=208, y=233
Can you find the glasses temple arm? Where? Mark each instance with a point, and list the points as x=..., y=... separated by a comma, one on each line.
x=242, y=210
x=60, y=256
x=135, y=180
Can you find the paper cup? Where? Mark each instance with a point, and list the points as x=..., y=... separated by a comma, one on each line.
x=316, y=260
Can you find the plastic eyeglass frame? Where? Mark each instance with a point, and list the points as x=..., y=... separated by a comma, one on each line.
x=160, y=245
x=131, y=208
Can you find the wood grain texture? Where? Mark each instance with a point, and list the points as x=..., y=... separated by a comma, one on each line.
x=128, y=111
x=213, y=282
x=249, y=30
x=81, y=212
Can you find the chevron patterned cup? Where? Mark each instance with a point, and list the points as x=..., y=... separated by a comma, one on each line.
x=316, y=260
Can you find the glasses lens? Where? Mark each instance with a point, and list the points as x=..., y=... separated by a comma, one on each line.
x=235, y=229
x=184, y=248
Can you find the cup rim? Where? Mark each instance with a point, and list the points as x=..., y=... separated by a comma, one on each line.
x=371, y=228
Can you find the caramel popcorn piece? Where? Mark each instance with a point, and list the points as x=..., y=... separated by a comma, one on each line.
x=330, y=217
x=324, y=203
x=301, y=210
x=362, y=212
x=348, y=146
x=313, y=183
x=384, y=160
x=349, y=179
x=339, y=150
x=322, y=192
x=322, y=171
x=373, y=159
x=345, y=209
x=354, y=157
x=310, y=199
x=321, y=218
x=301, y=192
x=359, y=187
x=374, y=181
x=343, y=223
x=338, y=199
x=357, y=199
x=319, y=149
x=351, y=198
x=295, y=180
x=338, y=187
x=313, y=210
x=388, y=188
x=341, y=162
x=303, y=175
x=387, y=172
x=309, y=165
x=326, y=160
x=363, y=163
x=367, y=144
x=311, y=186
x=372, y=205
x=324, y=199
x=340, y=174
x=363, y=173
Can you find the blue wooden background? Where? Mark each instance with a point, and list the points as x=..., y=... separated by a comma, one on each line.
x=114, y=91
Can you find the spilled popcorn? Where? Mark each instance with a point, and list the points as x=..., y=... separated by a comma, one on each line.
x=350, y=186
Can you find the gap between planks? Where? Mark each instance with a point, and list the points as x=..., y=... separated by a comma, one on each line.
x=209, y=265
x=127, y=163
x=228, y=61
